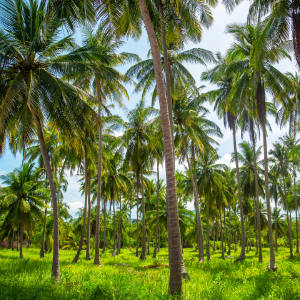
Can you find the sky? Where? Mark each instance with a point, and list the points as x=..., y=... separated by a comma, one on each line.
x=214, y=39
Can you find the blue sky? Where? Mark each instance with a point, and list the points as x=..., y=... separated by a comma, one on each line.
x=213, y=39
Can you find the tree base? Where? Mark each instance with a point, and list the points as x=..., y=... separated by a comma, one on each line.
x=273, y=268
x=239, y=259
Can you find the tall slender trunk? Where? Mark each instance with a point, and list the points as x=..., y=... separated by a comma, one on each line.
x=175, y=255
x=130, y=224
x=120, y=227
x=195, y=192
x=272, y=264
x=13, y=241
x=275, y=200
x=42, y=253
x=257, y=202
x=104, y=224
x=288, y=220
x=143, y=253
x=242, y=254
x=158, y=249
x=85, y=208
x=137, y=214
x=225, y=240
x=157, y=204
x=18, y=239
x=97, y=260
x=114, y=220
x=207, y=231
x=88, y=225
x=246, y=221
x=229, y=239
x=55, y=262
x=21, y=240
x=295, y=197
x=235, y=234
x=223, y=257
x=214, y=229
x=148, y=242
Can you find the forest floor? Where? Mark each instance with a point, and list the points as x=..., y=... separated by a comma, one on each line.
x=126, y=277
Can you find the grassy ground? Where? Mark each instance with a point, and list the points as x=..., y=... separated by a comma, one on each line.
x=31, y=279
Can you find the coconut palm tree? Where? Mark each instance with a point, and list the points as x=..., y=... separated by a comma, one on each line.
x=23, y=199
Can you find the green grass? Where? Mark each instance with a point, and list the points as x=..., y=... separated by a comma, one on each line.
x=31, y=278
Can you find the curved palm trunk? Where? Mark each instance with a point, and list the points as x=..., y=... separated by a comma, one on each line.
x=207, y=232
x=143, y=253
x=223, y=257
x=137, y=215
x=257, y=202
x=42, y=253
x=97, y=260
x=296, y=210
x=88, y=225
x=288, y=220
x=242, y=254
x=175, y=255
x=229, y=241
x=157, y=204
x=272, y=264
x=84, y=211
x=104, y=229
x=114, y=221
x=55, y=262
x=195, y=192
x=21, y=240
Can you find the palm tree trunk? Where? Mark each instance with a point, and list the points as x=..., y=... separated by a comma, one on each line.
x=229, y=239
x=295, y=197
x=288, y=220
x=214, y=228
x=275, y=200
x=221, y=233
x=207, y=231
x=242, y=254
x=235, y=235
x=120, y=227
x=130, y=224
x=18, y=238
x=143, y=253
x=42, y=254
x=21, y=240
x=97, y=260
x=246, y=220
x=175, y=255
x=148, y=242
x=195, y=192
x=104, y=224
x=157, y=204
x=225, y=230
x=13, y=241
x=271, y=243
x=55, y=262
x=84, y=211
x=158, y=249
x=137, y=215
x=257, y=201
x=114, y=220
x=88, y=225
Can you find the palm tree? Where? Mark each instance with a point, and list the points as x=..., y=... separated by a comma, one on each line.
x=174, y=241
x=36, y=90
x=23, y=199
x=280, y=158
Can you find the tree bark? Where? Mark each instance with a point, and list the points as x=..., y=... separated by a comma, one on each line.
x=85, y=208
x=257, y=202
x=55, y=262
x=88, y=225
x=242, y=254
x=97, y=260
x=272, y=264
x=296, y=209
x=175, y=255
x=195, y=192
x=225, y=230
x=137, y=215
x=104, y=224
x=42, y=254
x=229, y=241
x=157, y=205
x=288, y=220
x=21, y=240
x=114, y=220
x=235, y=235
x=275, y=200
x=143, y=253
x=207, y=231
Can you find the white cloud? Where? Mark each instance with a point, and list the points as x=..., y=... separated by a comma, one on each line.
x=226, y=161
